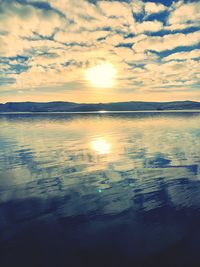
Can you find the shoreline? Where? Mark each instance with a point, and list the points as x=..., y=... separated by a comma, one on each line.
x=101, y=111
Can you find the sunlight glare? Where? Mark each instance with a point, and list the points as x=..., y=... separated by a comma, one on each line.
x=100, y=146
x=102, y=75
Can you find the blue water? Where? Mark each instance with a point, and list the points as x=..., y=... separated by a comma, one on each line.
x=89, y=190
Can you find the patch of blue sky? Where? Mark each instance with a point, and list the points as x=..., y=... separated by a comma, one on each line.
x=161, y=16
x=6, y=81
x=176, y=50
x=164, y=32
x=38, y=4
x=17, y=68
x=169, y=2
x=128, y=45
x=164, y=2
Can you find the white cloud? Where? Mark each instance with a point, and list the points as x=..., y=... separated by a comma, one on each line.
x=167, y=42
x=42, y=76
x=185, y=12
x=114, y=39
x=116, y=9
x=155, y=75
x=151, y=8
x=83, y=37
x=23, y=21
x=137, y=6
x=88, y=34
x=135, y=39
x=123, y=52
x=147, y=26
x=12, y=46
x=179, y=27
x=183, y=55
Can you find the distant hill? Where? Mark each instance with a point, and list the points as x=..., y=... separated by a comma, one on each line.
x=61, y=106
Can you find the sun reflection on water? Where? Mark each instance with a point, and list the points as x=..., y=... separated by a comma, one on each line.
x=101, y=146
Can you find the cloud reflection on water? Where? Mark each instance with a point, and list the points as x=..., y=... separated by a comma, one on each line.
x=91, y=174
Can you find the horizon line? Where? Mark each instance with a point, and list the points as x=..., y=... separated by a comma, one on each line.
x=97, y=103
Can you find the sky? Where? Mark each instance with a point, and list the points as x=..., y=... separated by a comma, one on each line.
x=92, y=51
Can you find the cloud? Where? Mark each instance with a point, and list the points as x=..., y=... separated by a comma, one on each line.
x=180, y=27
x=167, y=42
x=151, y=8
x=86, y=37
x=183, y=55
x=114, y=39
x=6, y=81
x=147, y=26
x=51, y=43
x=90, y=17
x=183, y=13
x=46, y=75
x=24, y=20
x=116, y=9
x=137, y=6
x=25, y=26
x=172, y=73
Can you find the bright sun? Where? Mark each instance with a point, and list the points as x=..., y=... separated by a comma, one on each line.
x=102, y=75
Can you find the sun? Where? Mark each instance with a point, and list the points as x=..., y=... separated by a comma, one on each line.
x=102, y=75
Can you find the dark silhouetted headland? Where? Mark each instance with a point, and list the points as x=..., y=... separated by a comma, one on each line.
x=61, y=106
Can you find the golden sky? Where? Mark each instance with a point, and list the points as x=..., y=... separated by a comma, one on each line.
x=99, y=51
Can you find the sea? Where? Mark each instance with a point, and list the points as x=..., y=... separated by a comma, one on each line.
x=98, y=189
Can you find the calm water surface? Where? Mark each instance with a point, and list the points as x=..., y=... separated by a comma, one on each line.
x=104, y=190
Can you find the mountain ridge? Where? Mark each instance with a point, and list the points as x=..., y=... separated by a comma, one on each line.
x=64, y=106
